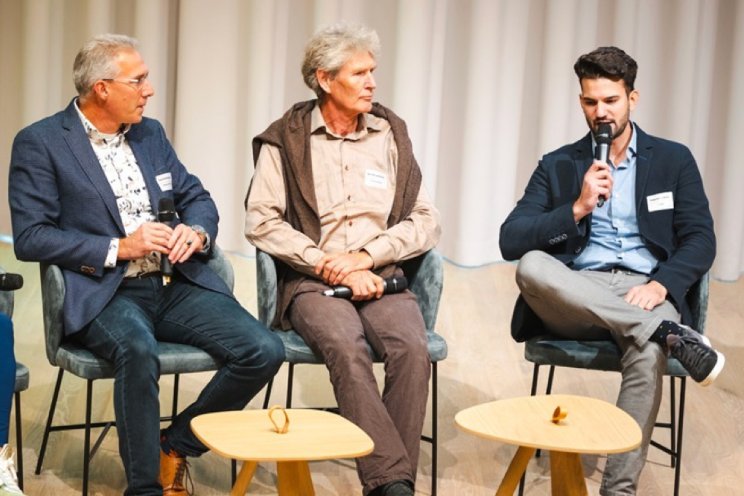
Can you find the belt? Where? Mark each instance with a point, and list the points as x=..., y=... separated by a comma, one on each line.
x=156, y=273
x=617, y=269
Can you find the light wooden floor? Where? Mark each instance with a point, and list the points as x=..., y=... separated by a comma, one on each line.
x=484, y=364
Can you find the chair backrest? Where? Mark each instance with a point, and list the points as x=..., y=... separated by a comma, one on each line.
x=53, y=297
x=697, y=299
x=6, y=300
x=425, y=275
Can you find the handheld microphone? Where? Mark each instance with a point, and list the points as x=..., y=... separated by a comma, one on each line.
x=10, y=282
x=391, y=285
x=166, y=215
x=603, y=137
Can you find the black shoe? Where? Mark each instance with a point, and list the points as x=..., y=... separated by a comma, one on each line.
x=694, y=352
x=395, y=488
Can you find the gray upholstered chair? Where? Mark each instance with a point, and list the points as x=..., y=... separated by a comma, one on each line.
x=605, y=355
x=425, y=278
x=175, y=359
x=21, y=384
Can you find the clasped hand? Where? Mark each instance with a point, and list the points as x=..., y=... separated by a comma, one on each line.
x=351, y=270
x=178, y=243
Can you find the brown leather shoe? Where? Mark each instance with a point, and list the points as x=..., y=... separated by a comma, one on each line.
x=174, y=473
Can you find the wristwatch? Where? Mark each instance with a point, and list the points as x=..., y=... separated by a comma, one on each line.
x=202, y=233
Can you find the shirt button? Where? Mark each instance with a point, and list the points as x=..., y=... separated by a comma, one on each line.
x=351, y=222
x=348, y=198
x=346, y=167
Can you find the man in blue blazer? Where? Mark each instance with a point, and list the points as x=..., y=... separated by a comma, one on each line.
x=84, y=190
x=613, y=247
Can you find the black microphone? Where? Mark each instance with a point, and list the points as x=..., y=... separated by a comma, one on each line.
x=10, y=282
x=603, y=137
x=166, y=215
x=391, y=285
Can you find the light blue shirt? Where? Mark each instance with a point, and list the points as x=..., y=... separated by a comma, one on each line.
x=615, y=239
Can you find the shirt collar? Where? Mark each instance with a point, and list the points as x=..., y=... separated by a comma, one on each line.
x=96, y=136
x=367, y=123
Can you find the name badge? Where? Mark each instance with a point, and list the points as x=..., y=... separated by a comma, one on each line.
x=375, y=179
x=164, y=181
x=660, y=201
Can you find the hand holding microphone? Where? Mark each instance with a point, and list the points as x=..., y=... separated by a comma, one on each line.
x=166, y=215
x=391, y=285
x=603, y=138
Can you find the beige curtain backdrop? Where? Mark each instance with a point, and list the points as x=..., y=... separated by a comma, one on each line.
x=486, y=87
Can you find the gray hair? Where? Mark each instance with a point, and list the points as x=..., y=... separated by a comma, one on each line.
x=95, y=60
x=331, y=47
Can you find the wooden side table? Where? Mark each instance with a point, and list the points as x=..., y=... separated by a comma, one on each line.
x=591, y=426
x=249, y=435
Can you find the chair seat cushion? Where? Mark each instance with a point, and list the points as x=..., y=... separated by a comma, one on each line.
x=21, y=380
x=297, y=351
x=174, y=359
x=594, y=355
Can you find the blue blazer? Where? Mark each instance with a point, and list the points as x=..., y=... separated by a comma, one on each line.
x=681, y=238
x=64, y=212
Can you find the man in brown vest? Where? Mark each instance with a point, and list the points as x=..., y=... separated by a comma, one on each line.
x=337, y=199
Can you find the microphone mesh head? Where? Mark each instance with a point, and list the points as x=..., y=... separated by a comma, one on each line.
x=604, y=134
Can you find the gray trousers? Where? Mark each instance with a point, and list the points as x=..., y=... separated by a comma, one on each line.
x=586, y=305
x=338, y=330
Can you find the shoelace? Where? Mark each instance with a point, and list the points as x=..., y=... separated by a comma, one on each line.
x=182, y=472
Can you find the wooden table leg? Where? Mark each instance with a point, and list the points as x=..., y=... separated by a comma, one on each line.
x=566, y=474
x=514, y=473
x=244, y=478
x=293, y=479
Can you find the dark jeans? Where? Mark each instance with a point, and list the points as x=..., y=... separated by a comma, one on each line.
x=338, y=330
x=7, y=374
x=126, y=332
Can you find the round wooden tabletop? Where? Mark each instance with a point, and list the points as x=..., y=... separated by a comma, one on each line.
x=590, y=426
x=312, y=435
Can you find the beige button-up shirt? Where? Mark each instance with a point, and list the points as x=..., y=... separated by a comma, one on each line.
x=354, y=177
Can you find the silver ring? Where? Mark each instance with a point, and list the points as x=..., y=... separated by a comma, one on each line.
x=189, y=242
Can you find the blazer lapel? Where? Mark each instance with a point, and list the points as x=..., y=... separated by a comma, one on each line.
x=644, y=156
x=583, y=158
x=76, y=138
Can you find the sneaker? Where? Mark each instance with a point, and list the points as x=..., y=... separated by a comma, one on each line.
x=8, y=476
x=694, y=352
x=174, y=472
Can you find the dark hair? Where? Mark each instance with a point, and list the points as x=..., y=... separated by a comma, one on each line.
x=607, y=62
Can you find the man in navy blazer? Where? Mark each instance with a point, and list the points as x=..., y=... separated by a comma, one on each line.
x=84, y=190
x=613, y=248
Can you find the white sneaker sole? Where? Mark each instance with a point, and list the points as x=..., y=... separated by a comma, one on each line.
x=716, y=370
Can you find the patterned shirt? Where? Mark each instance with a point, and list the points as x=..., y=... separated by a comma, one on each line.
x=125, y=178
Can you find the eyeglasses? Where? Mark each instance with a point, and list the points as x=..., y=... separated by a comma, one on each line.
x=136, y=83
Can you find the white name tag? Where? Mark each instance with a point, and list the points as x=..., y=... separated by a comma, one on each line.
x=660, y=201
x=165, y=181
x=375, y=179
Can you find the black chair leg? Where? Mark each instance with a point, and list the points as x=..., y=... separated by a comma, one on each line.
x=267, y=396
x=434, y=427
x=290, y=379
x=673, y=419
x=86, y=444
x=50, y=417
x=677, y=469
x=19, y=438
x=551, y=373
x=176, y=386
